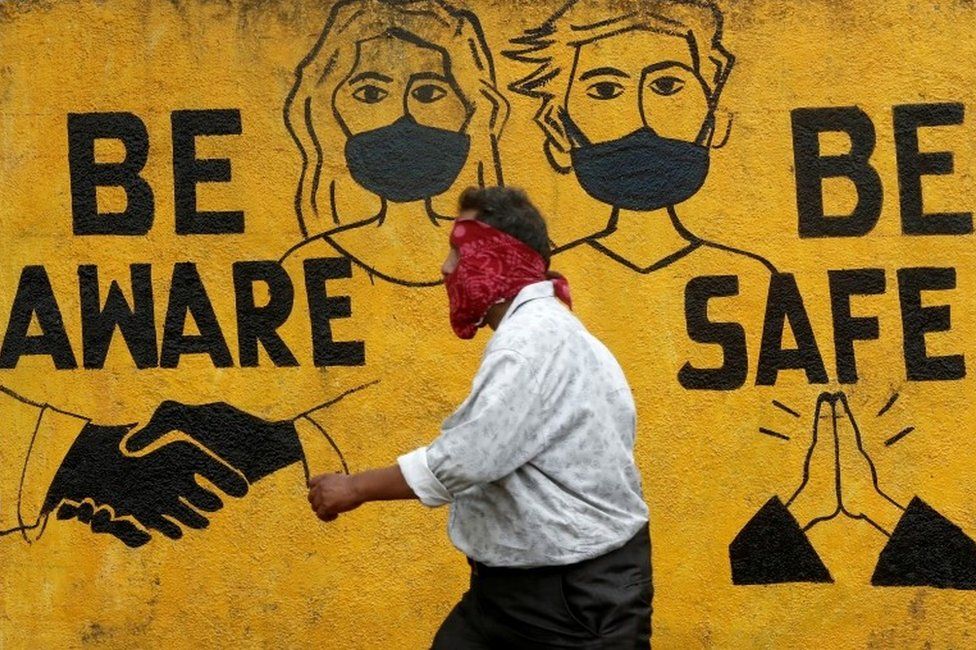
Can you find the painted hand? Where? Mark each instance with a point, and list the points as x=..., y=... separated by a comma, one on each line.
x=253, y=446
x=861, y=496
x=839, y=476
x=331, y=494
x=126, y=496
x=818, y=497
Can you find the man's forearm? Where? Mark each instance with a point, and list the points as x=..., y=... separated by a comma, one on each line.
x=332, y=494
x=384, y=484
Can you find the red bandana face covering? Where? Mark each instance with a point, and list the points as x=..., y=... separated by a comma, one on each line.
x=492, y=268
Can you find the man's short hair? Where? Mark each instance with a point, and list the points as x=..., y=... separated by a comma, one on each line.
x=508, y=209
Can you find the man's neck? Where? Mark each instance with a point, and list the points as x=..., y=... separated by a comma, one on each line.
x=496, y=313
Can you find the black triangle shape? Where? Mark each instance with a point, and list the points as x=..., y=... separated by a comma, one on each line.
x=772, y=549
x=926, y=550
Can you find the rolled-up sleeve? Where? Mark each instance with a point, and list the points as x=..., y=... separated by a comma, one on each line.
x=495, y=431
x=421, y=480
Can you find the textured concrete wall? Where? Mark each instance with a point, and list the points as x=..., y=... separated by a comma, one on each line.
x=797, y=325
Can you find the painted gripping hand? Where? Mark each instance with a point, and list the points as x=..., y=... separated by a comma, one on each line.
x=123, y=496
x=131, y=481
x=924, y=548
x=395, y=106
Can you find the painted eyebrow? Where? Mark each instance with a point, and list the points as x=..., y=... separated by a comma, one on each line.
x=428, y=76
x=370, y=75
x=664, y=65
x=595, y=72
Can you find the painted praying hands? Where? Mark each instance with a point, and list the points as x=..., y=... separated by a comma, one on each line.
x=923, y=547
x=839, y=477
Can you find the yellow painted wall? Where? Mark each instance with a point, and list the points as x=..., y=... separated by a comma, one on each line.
x=265, y=572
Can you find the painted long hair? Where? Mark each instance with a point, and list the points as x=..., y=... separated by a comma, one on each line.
x=325, y=181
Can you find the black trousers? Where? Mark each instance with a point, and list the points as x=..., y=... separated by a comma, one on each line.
x=600, y=603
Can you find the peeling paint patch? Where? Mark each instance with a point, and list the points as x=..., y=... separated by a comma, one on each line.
x=95, y=633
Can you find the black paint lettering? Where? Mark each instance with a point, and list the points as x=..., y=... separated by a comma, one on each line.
x=848, y=328
x=912, y=165
x=730, y=336
x=35, y=297
x=811, y=168
x=917, y=321
x=784, y=303
x=188, y=170
x=255, y=323
x=323, y=308
x=136, y=324
x=187, y=295
x=86, y=174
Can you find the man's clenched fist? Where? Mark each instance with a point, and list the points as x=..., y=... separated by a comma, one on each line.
x=330, y=494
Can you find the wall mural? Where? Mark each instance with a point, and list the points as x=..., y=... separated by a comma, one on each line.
x=225, y=228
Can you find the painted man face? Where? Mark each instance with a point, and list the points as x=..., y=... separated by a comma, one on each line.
x=637, y=79
x=638, y=116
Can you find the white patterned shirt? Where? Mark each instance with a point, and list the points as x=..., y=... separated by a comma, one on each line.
x=537, y=464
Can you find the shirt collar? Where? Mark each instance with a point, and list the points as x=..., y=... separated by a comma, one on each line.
x=534, y=291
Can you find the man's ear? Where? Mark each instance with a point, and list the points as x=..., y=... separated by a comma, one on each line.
x=557, y=145
x=721, y=128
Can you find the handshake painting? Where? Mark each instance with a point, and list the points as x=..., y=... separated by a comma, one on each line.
x=135, y=482
x=840, y=480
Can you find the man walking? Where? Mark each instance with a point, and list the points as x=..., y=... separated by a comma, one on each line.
x=537, y=463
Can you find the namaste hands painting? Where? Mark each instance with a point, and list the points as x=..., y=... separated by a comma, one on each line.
x=840, y=480
x=839, y=477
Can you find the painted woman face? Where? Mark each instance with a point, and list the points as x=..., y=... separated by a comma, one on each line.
x=393, y=78
x=404, y=120
x=635, y=79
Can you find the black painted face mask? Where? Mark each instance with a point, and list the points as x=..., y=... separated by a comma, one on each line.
x=406, y=161
x=640, y=171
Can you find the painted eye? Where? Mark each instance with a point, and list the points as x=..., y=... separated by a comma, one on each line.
x=605, y=90
x=370, y=94
x=667, y=86
x=428, y=93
